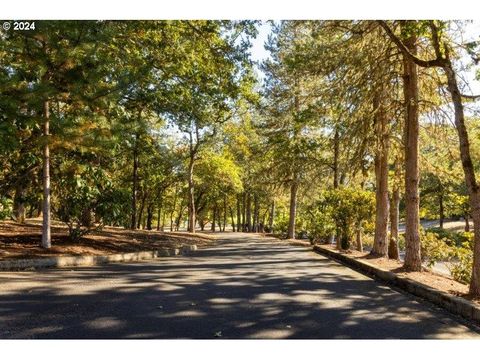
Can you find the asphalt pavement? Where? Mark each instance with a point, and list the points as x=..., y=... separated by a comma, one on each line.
x=246, y=286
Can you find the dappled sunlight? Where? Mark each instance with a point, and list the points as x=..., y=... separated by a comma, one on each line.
x=240, y=289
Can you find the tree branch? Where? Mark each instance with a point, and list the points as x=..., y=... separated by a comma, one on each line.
x=420, y=62
x=471, y=97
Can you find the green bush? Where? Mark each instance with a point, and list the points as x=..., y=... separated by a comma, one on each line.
x=84, y=199
x=319, y=225
x=6, y=206
x=401, y=242
x=340, y=212
x=367, y=240
x=434, y=248
x=452, y=238
x=281, y=226
x=462, y=270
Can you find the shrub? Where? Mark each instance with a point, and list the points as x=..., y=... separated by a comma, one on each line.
x=401, y=242
x=462, y=269
x=452, y=238
x=84, y=198
x=319, y=225
x=367, y=240
x=340, y=212
x=6, y=205
x=281, y=226
x=434, y=248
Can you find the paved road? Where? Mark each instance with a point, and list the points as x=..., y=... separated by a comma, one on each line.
x=246, y=287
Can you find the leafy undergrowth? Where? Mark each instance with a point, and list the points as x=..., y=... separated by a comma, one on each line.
x=426, y=277
x=23, y=241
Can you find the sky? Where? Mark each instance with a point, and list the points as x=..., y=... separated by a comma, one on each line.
x=472, y=32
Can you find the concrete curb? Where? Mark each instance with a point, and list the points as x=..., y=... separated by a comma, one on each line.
x=88, y=260
x=454, y=304
x=300, y=243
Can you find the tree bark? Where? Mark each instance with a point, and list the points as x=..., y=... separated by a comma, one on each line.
x=244, y=212
x=413, y=260
x=159, y=212
x=255, y=213
x=293, y=209
x=239, y=216
x=224, y=212
x=380, y=244
x=336, y=151
x=142, y=207
x=173, y=208
x=272, y=215
x=19, y=203
x=233, y=219
x=393, y=252
x=134, y=184
x=149, y=216
x=214, y=214
x=470, y=179
x=180, y=215
x=46, y=231
x=249, y=212
x=359, y=238
x=191, y=195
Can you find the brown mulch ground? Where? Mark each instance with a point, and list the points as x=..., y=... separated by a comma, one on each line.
x=426, y=277
x=19, y=241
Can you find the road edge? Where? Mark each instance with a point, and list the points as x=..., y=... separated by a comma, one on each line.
x=89, y=260
x=456, y=305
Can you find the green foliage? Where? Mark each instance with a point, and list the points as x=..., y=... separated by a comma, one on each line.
x=433, y=248
x=340, y=212
x=281, y=225
x=461, y=268
x=319, y=223
x=5, y=207
x=452, y=238
x=84, y=194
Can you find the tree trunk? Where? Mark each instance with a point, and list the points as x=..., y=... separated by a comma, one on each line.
x=162, y=228
x=239, y=215
x=19, y=203
x=149, y=216
x=173, y=208
x=393, y=252
x=244, y=212
x=191, y=196
x=380, y=243
x=134, y=184
x=467, y=164
x=224, y=212
x=219, y=219
x=180, y=215
x=214, y=214
x=413, y=260
x=249, y=212
x=255, y=213
x=467, y=223
x=159, y=213
x=142, y=207
x=293, y=209
x=272, y=215
x=359, y=238
x=46, y=234
x=233, y=219
x=336, y=151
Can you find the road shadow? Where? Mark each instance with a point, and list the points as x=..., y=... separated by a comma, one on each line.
x=242, y=288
